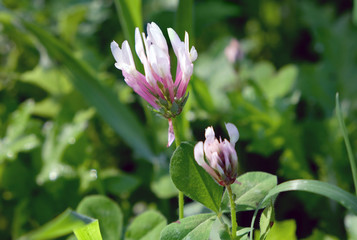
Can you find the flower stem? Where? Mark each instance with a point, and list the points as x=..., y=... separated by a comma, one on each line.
x=178, y=142
x=233, y=212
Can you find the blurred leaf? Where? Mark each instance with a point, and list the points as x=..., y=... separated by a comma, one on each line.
x=354, y=13
x=47, y=108
x=220, y=79
x=58, y=137
x=319, y=235
x=88, y=232
x=52, y=80
x=16, y=140
x=107, y=212
x=17, y=179
x=210, y=12
x=201, y=94
x=146, y=226
x=274, y=85
x=184, y=23
x=341, y=122
x=192, y=179
x=69, y=20
x=253, y=187
x=117, y=115
x=163, y=186
x=130, y=17
x=62, y=225
x=196, y=227
x=283, y=230
x=118, y=183
x=351, y=223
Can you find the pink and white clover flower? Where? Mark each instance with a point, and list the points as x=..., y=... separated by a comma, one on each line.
x=217, y=157
x=157, y=87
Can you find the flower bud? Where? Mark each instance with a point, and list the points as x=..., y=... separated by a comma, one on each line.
x=218, y=157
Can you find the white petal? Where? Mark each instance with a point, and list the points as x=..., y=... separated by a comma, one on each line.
x=116, y=51
x=198, y=152
x=187, y=42
x=156, y=36
x=159, y=61
x=175, y=40
x=139, y=47
x=193, y=54
x=209, y=134
x=233, y=133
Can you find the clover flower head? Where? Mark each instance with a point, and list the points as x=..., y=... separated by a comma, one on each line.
x=156, y=85
x=218, y=157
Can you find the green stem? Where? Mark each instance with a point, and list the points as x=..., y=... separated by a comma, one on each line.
x=178, y=142
x=233, y=212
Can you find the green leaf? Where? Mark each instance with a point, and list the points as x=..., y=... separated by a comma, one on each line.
x=196, y=227
x=253, y=187
x=62, y=225
x=107, y=212
x=89, y=232
x=16, y=140
x=333, y=192
x=347, y=142
x=266, y=221
x=116, y=114
x=146, y=226
x=192, y=179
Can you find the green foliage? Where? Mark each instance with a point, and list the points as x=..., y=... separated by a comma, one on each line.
x=251, y=188
x=107, y=212
x=194, y=227
x=266, y=221
x=146, y=226
x=88, y=232
x=64, y=224
x=70, y=127
x=192, y=180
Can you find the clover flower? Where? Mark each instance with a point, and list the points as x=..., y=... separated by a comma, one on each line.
x=157, y=87
x=218, y=157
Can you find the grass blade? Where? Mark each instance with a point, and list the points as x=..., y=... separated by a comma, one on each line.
x=333, y=192
x=347, y=141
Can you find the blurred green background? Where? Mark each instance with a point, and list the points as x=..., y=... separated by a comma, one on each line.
x=71, y=127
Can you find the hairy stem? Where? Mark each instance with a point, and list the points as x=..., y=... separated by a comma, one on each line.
x=178, y=142
x=233, y=212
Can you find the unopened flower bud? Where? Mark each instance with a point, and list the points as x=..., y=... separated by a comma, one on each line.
x=218, y=157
